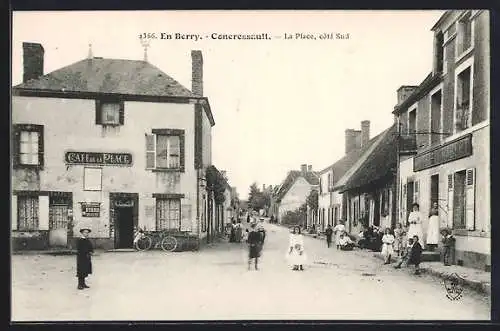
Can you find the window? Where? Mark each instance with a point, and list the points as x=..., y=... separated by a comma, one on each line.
x=110, y=112
x=463, y=118
x=28, y=145
x=436, y=102
x=412, y=122
x=92, y=179
x=168, y=214
x=464, y=34
x=165, y=150
x=27, y=213
x=438, y=44
x=461, y=199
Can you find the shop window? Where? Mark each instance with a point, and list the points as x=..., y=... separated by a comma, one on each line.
x=165, y=150
x=28, y=146
x=168, y=214
x=110, y=112
x=27, y=213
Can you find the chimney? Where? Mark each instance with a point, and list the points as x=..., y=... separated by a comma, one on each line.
x=33, y=54
x=309, y=168
x=263, y=187
x=303, y=169
x=404, y=92
x=352, y=140
x=197, y=73
x=365, y=133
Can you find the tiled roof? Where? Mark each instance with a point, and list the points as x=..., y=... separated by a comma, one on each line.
x=311, y=177
x=109, y=76
x=380, y=163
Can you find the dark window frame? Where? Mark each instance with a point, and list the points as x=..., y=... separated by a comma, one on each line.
x=17, y=129
x=98, y=111
x=182, y=150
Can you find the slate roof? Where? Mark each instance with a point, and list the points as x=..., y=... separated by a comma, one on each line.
x=381, y=162
x=312, y=177
x=109, y=76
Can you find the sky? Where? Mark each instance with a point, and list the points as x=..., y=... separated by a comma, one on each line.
x=277, y=103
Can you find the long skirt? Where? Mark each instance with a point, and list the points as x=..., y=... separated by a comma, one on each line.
x=416, y=229
x=387, y=250
x=295, y=258
x=433, y=230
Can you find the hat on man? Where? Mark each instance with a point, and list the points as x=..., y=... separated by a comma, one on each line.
x=85, y=229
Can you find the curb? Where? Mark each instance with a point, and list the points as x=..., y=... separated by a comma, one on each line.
x=477, y=286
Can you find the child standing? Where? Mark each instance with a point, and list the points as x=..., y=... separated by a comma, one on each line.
x=448, y=242
x=416, y=254
x=399, y=233
x=387, y=246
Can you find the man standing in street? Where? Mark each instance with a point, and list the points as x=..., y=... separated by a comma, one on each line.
x=84, y=250
x=329, y=233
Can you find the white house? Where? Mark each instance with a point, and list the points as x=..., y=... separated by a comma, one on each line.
x=107, y=144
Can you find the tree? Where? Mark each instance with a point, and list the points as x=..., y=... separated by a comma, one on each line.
x=312, y=200
x=295, y=217
x=256, y=200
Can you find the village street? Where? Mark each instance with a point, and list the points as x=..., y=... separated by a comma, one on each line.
x=215, y=284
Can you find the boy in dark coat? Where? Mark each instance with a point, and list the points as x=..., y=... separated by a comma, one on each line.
x=84, y=250
x=448, y=242
x=254, y=245
x=416, y=254
x=329, y=233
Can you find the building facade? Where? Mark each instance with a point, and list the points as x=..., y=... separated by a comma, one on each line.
x=107, y=144
x=447, y=116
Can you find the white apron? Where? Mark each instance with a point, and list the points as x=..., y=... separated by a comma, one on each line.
x=416, y=229
x=387, y=245
x=433, y=230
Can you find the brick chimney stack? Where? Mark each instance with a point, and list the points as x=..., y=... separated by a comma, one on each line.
x=303, y=169
x=33, y=54
x=309, y=168
x=404, y=92
x=365, y=133
x=197, y=73
x=352, y=140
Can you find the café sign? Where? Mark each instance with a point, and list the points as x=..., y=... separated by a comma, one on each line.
x=91, y=209
x=119, y=159
x=448, y=152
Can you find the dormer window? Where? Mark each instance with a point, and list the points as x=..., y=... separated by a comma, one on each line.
x=109, y=112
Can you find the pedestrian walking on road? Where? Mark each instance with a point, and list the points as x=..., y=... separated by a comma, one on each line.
x=338, y=230
x=329, y=233
x=84, y=250
x=254, y=247
x=387, y=246
x=296, y=254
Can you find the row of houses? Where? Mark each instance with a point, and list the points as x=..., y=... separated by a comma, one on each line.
x=437, y=150
x=112, y=145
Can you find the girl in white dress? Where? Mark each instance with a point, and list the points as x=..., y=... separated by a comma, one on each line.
x=387, y=246
x=433, y=228
x=415, y=220
x=296, y=254
x=338, y=230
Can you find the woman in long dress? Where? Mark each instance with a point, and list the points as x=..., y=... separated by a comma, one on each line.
x=296, y=254
x=433, y=227
x=415, y=220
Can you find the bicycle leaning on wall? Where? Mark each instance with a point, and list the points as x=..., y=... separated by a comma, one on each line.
x=145, y=240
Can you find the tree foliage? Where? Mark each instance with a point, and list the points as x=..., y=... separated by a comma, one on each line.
x=312, y=200
x=257, y=199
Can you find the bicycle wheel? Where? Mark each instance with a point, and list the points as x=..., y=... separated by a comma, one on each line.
x=144, y=243
x=169, y=244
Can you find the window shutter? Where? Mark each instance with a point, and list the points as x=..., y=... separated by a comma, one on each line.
x=416, y=191
x=403, y=203
x=182, y=156
x=40, y=146
x=43, y=210
x=16, y=147
x=122, y=113
x=98, y=119
x=14, y=212
x=150, y=151
x=470, y=198
x=450, y=201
